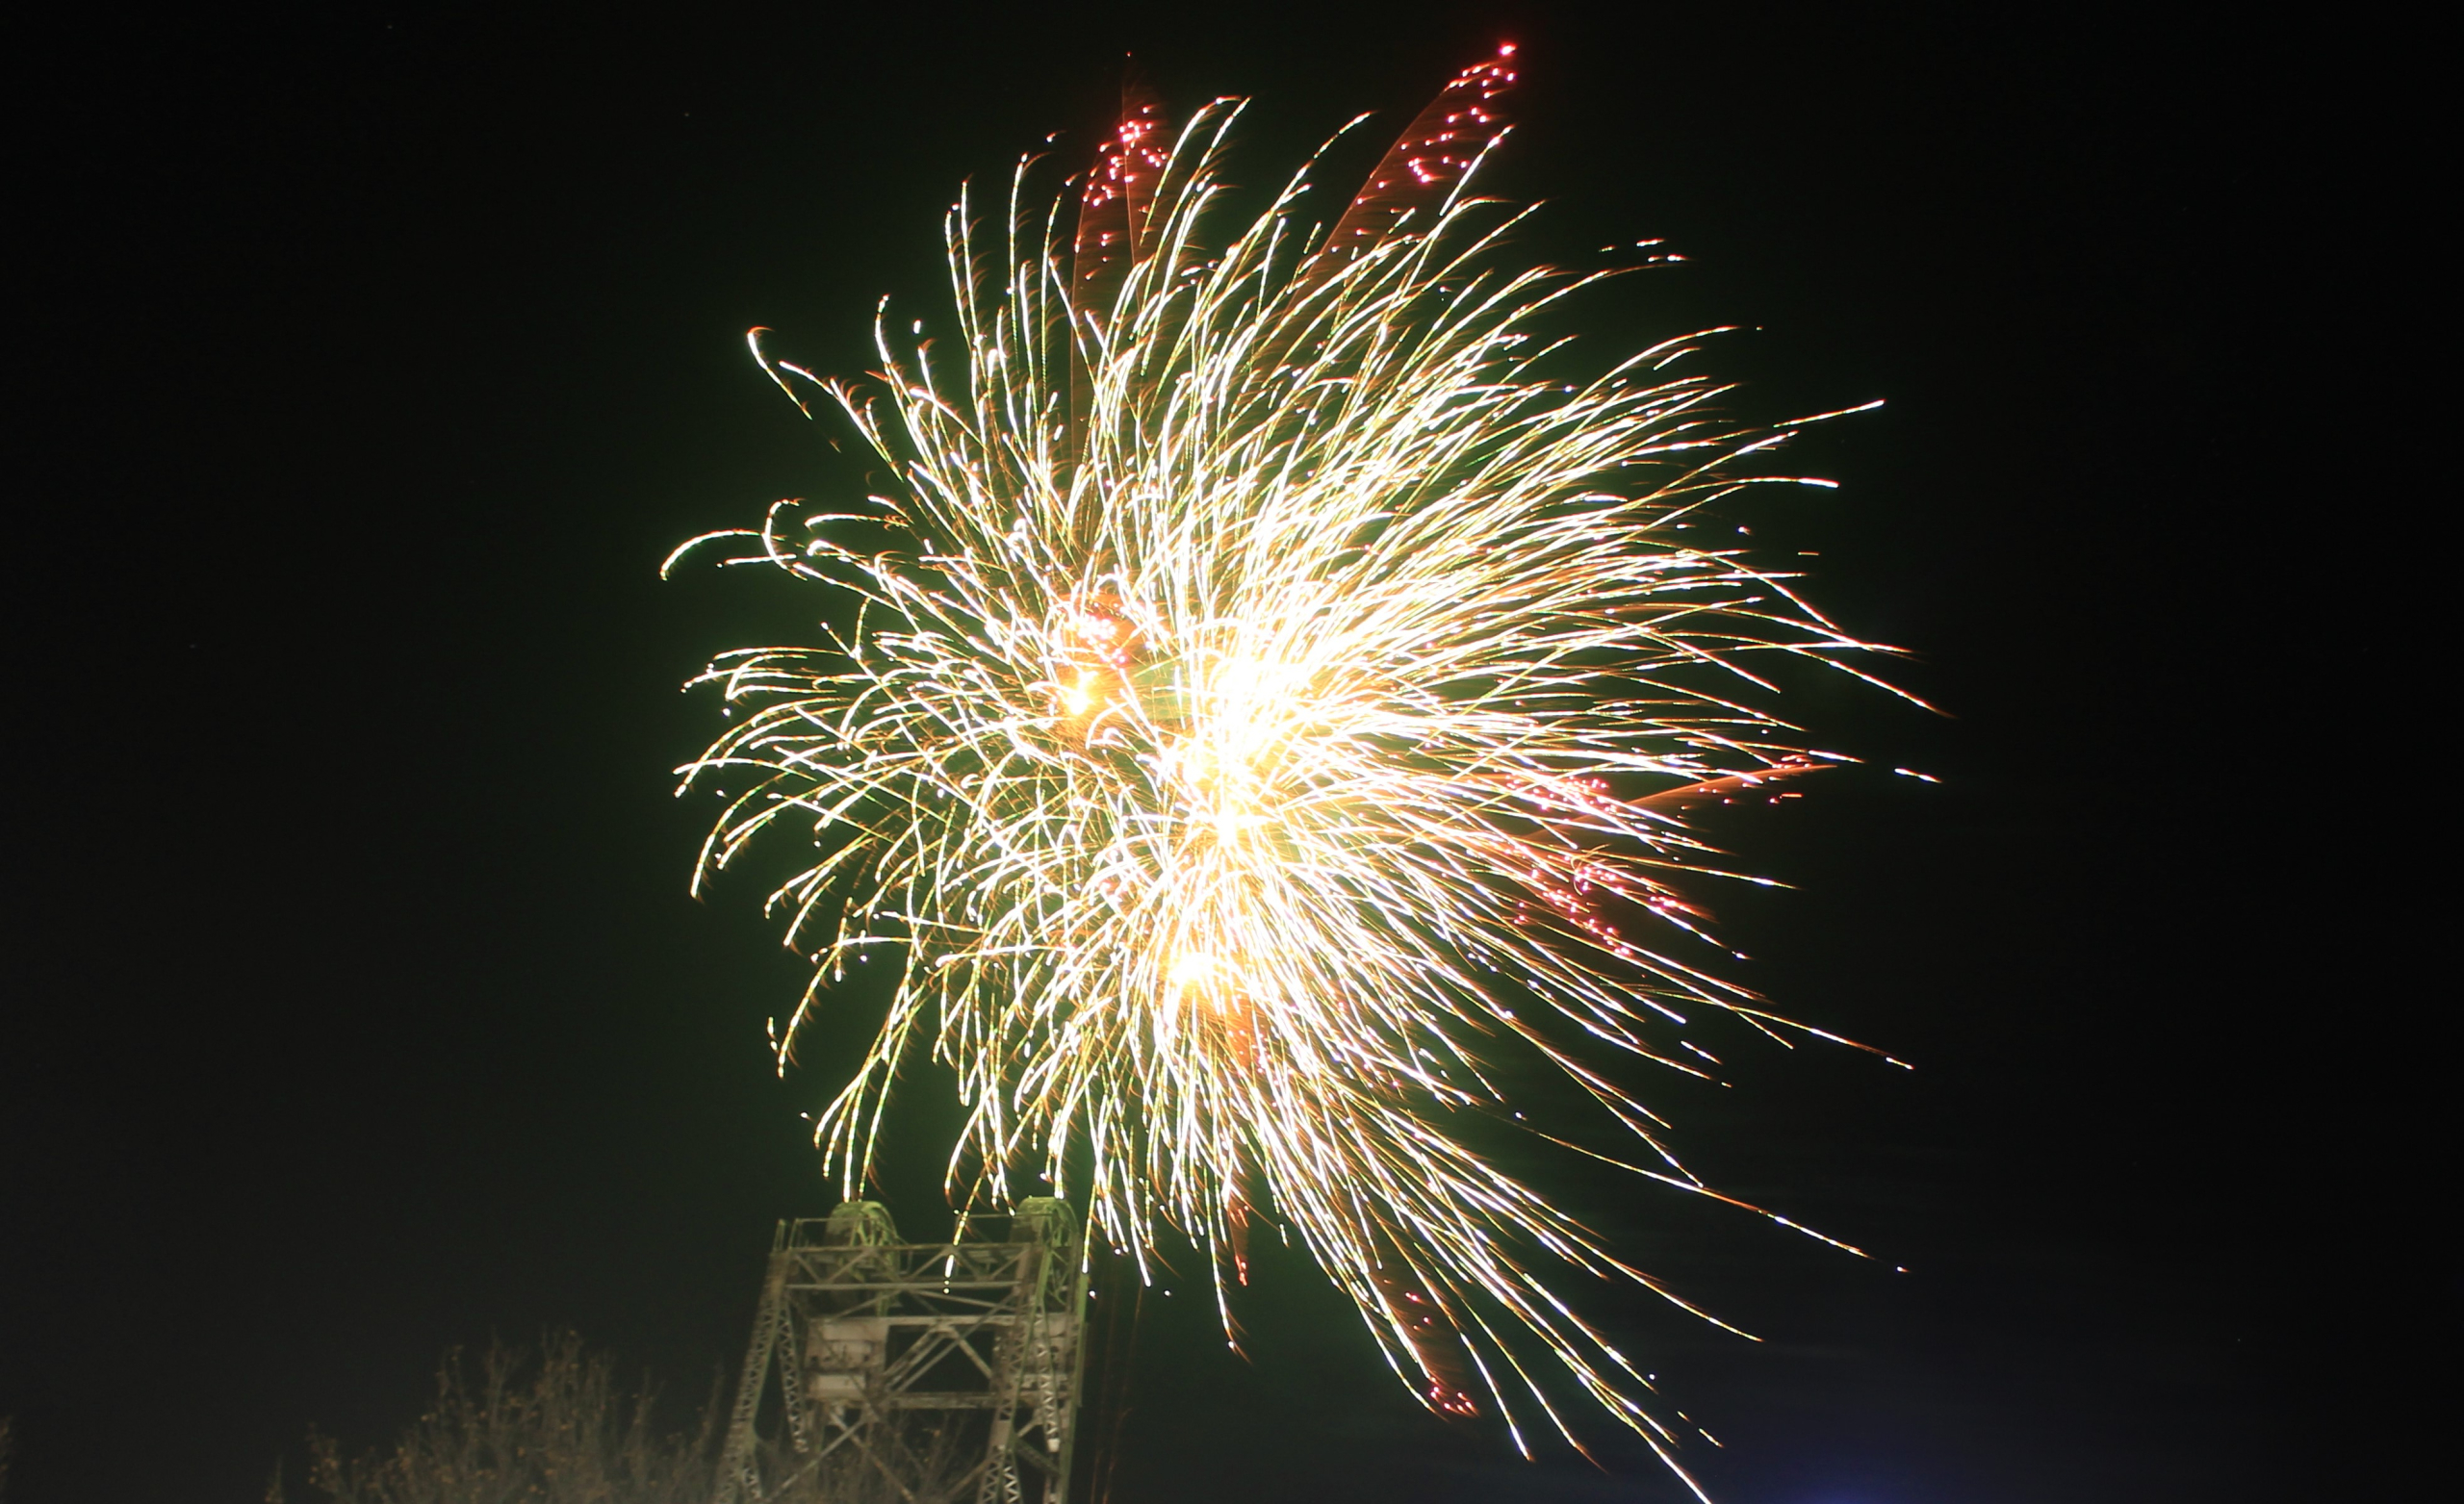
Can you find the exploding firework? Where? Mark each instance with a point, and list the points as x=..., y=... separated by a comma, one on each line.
x=1274, y=692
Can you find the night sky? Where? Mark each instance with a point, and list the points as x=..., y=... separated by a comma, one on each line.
x=367, y=367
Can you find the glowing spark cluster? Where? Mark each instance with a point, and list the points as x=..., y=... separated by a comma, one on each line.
x=1272, y=695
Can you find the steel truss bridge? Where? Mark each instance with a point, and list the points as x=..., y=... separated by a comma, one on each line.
x=912, y=1374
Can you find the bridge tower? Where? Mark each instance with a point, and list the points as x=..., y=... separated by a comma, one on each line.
x=921, y=1373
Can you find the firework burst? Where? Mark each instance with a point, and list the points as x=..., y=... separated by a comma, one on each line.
x=1275, y=687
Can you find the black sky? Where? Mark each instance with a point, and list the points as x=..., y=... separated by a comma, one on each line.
x=365, y=367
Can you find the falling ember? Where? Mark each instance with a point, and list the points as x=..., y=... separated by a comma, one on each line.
x=1289, y=693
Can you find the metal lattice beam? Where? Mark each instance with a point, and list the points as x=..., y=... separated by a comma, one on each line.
x=919, y=1373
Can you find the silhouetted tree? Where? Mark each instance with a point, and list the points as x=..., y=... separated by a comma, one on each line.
x=544, y=1426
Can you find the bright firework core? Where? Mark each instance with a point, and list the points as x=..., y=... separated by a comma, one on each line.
x=1285, y=690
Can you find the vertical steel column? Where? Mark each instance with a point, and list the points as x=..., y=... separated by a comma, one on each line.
x=738, y=1481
